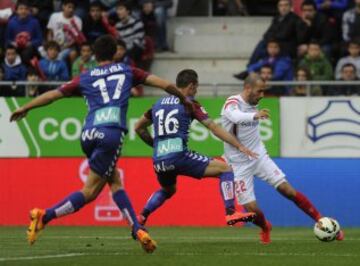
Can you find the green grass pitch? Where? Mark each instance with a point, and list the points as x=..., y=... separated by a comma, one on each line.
x=176, y=246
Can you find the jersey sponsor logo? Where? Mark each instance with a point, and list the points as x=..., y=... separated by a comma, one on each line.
x=339, y=117
x=107, y=115
x=249, y=124
x=92, y=134
x=168, y=146
x=162, y=167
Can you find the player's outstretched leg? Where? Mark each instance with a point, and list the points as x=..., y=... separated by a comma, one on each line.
x=72, y=203
x=303, y=203
x=122, y=200
x=260, y=221
x=155, y=201
x=220, y=169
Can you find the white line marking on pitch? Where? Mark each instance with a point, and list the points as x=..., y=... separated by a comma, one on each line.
x=40, y=257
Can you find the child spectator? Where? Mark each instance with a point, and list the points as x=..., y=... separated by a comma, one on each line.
x=352, y=58
x=318, y=65
x=53, y=68
x=131, y=31
x=32, y=76
x=348, y=73
x=42, y=9
x=121, y=55
x=14, y=69
x=24, y=32
x=281, y=65
x=302, y=74
x=65, y=28
x=85, y=61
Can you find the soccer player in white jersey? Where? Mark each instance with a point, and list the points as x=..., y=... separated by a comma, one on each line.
x=240, y=116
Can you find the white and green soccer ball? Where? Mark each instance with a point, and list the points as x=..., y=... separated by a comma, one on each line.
x=326, y=229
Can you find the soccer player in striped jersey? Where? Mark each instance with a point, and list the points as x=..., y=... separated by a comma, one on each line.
x=240, y=117
x=171, y=156
x=106, y=89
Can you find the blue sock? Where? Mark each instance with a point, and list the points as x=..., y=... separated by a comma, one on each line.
x=70, y=204
x=155, y=201
x=227, y=191
x=123, y=202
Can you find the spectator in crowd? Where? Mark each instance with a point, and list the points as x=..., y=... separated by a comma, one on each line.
x=149, y=20
x=318, y=65
x=281, y=65
x=96, y=25
x=351, y=23
x=287, y=28
x=332, y=8
x=24, y=32
x=53, y=68
x=161, y=8
x=65, y=28
x=131, y=31
x=85, y=61
x=42, y=9
x=266, y=73
x=121, y=55
x=2, y=74
x=14, y=69
x=348, y=73
x=229, y=8
x=319, y=28
x=32, y=76
x=5, y=14
x=302, y=74
x=352, y=58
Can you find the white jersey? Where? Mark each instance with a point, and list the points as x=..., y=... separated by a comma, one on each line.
x=237, y=117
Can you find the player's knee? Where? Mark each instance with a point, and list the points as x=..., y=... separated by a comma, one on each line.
x=224, y=168
x=170, y=191
x=90, y=194
x=287, y=190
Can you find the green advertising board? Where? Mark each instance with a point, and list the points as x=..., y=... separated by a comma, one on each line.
x=55, y=130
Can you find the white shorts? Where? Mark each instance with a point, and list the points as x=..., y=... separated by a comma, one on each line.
x=264, y=168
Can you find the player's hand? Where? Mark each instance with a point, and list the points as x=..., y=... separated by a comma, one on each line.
x=18, y=114
x=249, y=153
x=262, y=114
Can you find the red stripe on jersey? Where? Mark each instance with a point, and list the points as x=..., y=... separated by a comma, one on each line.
x=230, y=102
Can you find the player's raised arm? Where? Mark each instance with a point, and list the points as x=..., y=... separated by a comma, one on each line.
x=155, y=81
x=43, y=99
x=222, y=134
x=141, y=128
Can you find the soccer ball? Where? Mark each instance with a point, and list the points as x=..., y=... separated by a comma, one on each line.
x=326, y=229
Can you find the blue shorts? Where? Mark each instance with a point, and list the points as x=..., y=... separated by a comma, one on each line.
x=102, y=147
x=188, y=163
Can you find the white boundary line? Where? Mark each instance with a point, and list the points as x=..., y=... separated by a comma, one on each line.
x=37, y=147
x=41, y=257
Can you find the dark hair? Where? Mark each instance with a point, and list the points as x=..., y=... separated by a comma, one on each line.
x=356, y=41
x=97, y=4
x=348, y=65
x=10, y=47
x=186, y=77
x=314, y=42
x=266, y=66
x=308, y=3
x=86, y=44
x=272, y=40
x=121, y=43
x=52, y=44
x=65, y=2
x=22, y=3
x=105, y=48
x=124, y=3
x=306, y=70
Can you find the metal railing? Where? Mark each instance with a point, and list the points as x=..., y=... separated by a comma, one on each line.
x=205, y=89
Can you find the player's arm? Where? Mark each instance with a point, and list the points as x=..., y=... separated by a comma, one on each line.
x=141, y=128
x=45, y=99
x=236, y=116
x=222, y=134
x=141, y=76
